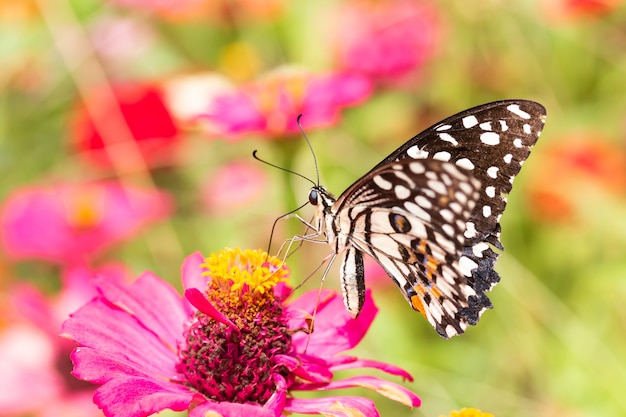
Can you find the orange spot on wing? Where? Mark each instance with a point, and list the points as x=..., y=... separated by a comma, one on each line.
x=435, y=291
x=431, y=266
x=416, y=303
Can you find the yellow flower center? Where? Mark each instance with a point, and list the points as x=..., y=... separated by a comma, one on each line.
x=469, y=412
x=84, y=208
x=244, y=275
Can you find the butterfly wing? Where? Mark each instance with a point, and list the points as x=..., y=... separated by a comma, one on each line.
x=410, y=216
x=492, y=141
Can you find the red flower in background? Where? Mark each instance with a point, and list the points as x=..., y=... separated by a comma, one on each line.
x=74, y=223
x=271, y=105
x=577, y=9
x=35, y=367
x=115, y=126
x=572, y=170
x=385, y=40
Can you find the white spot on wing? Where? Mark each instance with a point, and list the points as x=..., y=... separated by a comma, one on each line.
x=466, y=188
x=449, y=229
x=486, y=211
x=518, y=143
x=485, y=126
x=514, y=108
x=527, y=129
x=416, y=153
x=504, y=126
x=469, y=121
x=490, y=191
x=460, y=197
x=437, y=186
x=402, y=192
x=508, y=158
x=442, y=156
x=417, y=168
x=382, y=183
x=490, y=138
x=444, y=242
x=466, y=265
x=447, y=215
x=417, y=211
x=448, y=138
x=441, y=128
x=424, y=202
x=456, y=207
x=465, y=163
x=470, y=230
x=479, y=248
x=492, y=172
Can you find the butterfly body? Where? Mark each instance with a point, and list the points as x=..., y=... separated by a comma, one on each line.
x=429, y=213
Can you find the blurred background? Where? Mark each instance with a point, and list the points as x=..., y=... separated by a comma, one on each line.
x=126, y=134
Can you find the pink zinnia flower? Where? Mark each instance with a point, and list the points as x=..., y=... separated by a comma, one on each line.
x=231, y=346
x=35, y=368
x=108, y=130
x=387, y=40
x=233, y=186
x=74, y=223
x=271, y=105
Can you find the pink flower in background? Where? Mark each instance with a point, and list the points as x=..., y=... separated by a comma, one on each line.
x=136, y=117
x=74, y=223
x=271, y=105
x=189, y=95
x=232, y=186
x=386, y=40
x=375, y=275
x=231, y=346
x=35, y=368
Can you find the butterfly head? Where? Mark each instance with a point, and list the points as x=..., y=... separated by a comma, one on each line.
x=321, y=198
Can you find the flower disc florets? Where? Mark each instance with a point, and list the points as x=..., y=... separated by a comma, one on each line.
x=236, y=363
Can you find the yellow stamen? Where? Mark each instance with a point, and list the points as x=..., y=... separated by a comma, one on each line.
x=243, y=272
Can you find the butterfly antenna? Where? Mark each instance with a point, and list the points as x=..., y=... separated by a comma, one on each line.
x=308, y=142
x=255, y=156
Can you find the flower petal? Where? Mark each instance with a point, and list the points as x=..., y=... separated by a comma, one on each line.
x=333, y=406
x=350, y=362
x=140, y=397
x=225, y=409
x=335, y=331
x=305, y=368
x=128, y=346
x=191, y=272
x=389, y=389
x=145, y=300
x=199, y=301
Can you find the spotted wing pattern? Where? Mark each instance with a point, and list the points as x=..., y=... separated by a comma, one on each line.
x=410, y=216
x=493, y=141
x=429, y=213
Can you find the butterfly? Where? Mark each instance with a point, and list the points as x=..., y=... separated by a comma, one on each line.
x=429, y=213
